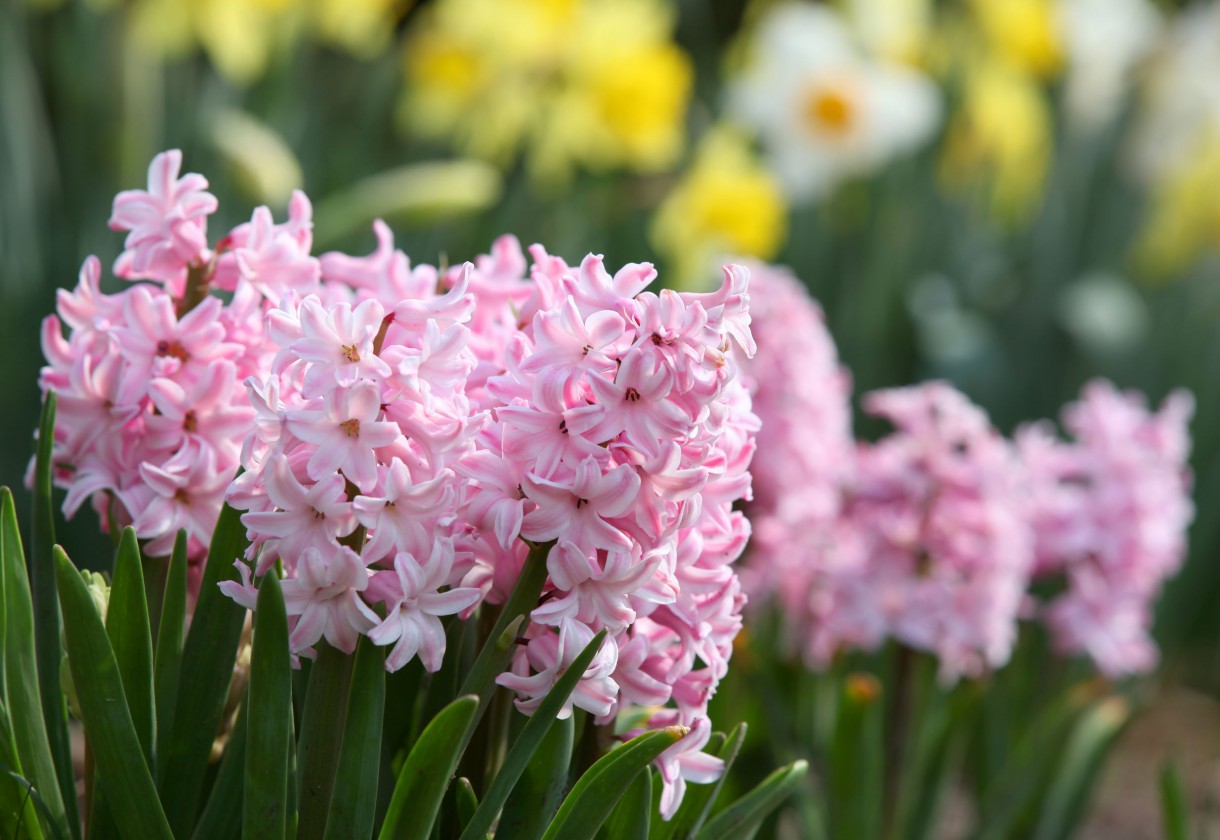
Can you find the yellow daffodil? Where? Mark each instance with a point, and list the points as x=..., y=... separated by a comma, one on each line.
x=726, y=203
x=590, y=83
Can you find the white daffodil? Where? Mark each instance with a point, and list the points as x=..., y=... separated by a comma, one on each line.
x=823, y=110
x=1105, y=40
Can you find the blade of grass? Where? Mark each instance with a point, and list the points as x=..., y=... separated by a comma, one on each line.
x=527, y=742
x=269, y=699
x=46, y=619
x=112, y=734
x=425, y=774
x=20, y=663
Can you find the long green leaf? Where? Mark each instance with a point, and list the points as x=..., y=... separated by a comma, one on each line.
x=425, y=774
x=222, y=815
x=117, y=751
x=20, y=664
x=269, y=716
x=632, y=816
x=697, y=803
x=595, y=793
x=170, y=633
x=1078, y=771
x=466, y=800
x=353, y=804
x=131, y=638
x=321, y=740
x=529, y=739
x=493, y=658
x=208, y=656
x=538, y=793
x=19, y=814
x=1175, y=816
x=742, y=818
x=46, y=620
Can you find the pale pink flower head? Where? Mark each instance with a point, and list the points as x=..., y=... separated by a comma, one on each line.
x=166, y=224
x=1111, y=511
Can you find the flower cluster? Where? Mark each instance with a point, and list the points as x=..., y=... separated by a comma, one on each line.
x=933, y=535
x=596, y=84
x=151, y=410
x=1110, y=514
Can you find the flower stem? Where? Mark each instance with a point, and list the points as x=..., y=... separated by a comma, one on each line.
x=321, y=740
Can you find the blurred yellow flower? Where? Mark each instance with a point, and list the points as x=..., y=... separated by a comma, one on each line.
x=726, y=203
x=1026, y=33
x=592, y=83
x=897, y=30
x=1001, y=136
x=1183, y=215
x=240, y=36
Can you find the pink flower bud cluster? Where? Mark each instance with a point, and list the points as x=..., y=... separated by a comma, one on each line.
x=151, y=412
x=1111, y=509
x=933, y=535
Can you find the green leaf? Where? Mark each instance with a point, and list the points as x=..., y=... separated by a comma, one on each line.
x=1077, y=772
x=697, y=803
x=24, y=703
x=20, y=805
x=46, y=622
x=595, y=793
x=529, y=739
x=353, y=804
x=538, y=793
x=170, y=633
x=1174, y=814
x=466, y=800
x=426, y=773
x=208, y=656
x=222, y=815
x=742, y=818
x=321, y=740
x=631, y=818
x=856, y=759
x=269, y=717
x=116, y=747
x=131, y=638
x=493, y=658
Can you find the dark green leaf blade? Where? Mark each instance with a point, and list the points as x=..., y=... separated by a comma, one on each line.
x=20, y=662
x=131, y=638
x=116, y=747
x=425, y=774
x=353, y=803
x=208, y=656
x=539, y=791
x=269, y=716
x=46, y=618
x=742, y=818
x=632, y=816
x=595, y=794
x=170, y=633
x=529, y=739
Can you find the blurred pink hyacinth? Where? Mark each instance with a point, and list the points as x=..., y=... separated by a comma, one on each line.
x=932, y=535
x=1111, y=512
